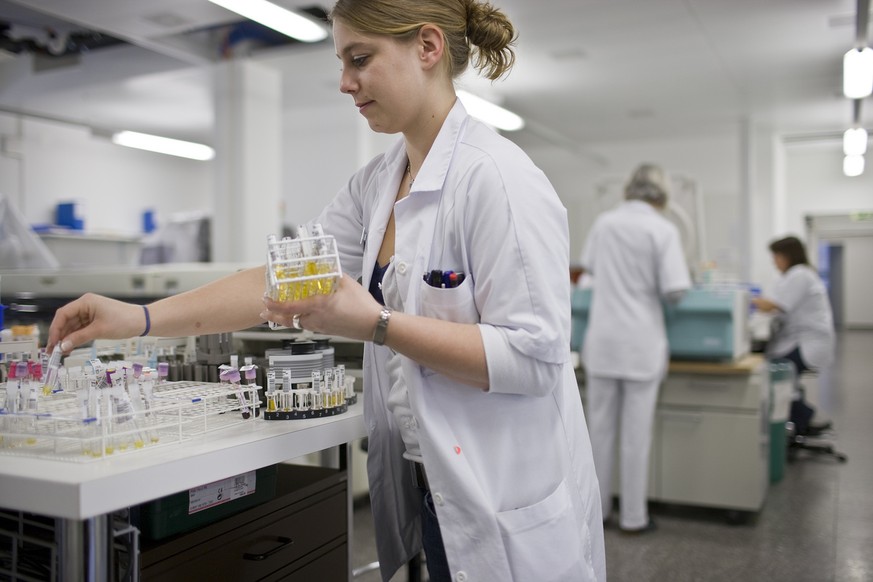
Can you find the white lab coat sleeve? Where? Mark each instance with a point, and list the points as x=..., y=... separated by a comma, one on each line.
x=673, y=271
x=343, y=218
x=790, y=290
x=511, y=371
x=517, y=242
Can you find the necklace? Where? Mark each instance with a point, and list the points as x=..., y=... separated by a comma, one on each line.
x=411, y=177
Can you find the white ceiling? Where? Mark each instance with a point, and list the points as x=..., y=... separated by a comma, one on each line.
x=588, y=70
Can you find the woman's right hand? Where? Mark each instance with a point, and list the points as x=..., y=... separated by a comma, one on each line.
x=93, y=316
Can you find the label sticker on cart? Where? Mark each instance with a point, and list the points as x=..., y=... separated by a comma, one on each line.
x=219, y=492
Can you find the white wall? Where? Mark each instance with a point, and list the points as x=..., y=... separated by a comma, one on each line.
x=60, y=162
x=858, y=304
x=321, y=153
x=323, y=148
x=815, y=184
x=711, y=161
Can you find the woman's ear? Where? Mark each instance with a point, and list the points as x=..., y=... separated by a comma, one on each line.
x=431, y=45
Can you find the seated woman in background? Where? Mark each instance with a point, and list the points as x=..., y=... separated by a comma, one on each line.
x=803, y=330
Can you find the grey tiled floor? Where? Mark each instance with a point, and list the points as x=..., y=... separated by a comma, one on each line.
x=816, y=524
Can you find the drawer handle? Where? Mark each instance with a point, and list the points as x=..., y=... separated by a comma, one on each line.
x=283, y=541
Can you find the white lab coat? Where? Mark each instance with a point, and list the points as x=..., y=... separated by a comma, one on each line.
x=510, y=470
x=807, y=320
x=635, y=257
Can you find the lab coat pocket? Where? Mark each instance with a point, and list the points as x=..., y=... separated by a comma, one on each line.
x=543, y=541
x=453, y=304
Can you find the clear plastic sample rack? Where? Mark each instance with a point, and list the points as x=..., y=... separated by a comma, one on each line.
x=302, y=267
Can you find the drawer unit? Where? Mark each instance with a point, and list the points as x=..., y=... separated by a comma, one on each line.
x=711, y=459
x=328, y=563
x=307, y=519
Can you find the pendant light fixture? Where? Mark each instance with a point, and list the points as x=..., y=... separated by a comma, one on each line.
x=855, y=141
x=858, y=73
x=853, y=166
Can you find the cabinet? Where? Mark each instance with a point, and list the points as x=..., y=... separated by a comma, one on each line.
x=711, y=437
x=301, y=534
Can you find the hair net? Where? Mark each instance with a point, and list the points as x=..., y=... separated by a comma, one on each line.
x=648, y=183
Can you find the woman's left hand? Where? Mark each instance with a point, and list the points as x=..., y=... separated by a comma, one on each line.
x=350, y=311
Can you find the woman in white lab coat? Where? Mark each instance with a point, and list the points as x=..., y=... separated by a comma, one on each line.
x=803, y=329
x=478, y=447
x=635, y=258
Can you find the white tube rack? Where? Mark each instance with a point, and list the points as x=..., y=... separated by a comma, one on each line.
x=315, y=271
x=179, y=411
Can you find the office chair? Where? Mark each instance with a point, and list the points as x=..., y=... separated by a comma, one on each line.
x=805, y=436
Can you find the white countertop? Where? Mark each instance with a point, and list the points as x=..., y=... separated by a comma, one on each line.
x=83, y=490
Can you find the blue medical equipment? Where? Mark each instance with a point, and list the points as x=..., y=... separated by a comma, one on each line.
x=709, y=323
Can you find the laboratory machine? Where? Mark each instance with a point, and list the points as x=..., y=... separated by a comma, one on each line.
x=710, y=323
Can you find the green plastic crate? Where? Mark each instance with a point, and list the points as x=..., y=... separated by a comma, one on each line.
x=173, y=514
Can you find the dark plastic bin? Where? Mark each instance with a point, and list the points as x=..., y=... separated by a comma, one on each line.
x=782, y=378
x=170, y=515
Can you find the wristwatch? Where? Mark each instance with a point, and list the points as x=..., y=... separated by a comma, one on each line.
x=381, y=327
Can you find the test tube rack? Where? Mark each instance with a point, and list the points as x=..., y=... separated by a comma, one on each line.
x=301, y=267
x=177, y=412
x=296, y=399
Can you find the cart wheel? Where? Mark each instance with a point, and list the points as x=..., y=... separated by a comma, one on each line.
x=737, y=517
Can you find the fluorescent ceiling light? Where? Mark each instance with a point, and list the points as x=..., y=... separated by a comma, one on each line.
x=163, y=145
x=858, y=73
x=853, y=166
x=277, y=18
x=855, y=141
x=490, y=113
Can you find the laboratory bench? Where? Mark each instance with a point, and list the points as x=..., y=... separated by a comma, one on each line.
x=305, y=527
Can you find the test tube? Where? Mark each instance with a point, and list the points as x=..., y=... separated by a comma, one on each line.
x=320, y=385
x=147, y=386
x=272, y=405
x=135, y=399
x=51, y=373
x=250, y=373
x=163, y=371
x=232, y=375
x=288, y=402
x=296, y=290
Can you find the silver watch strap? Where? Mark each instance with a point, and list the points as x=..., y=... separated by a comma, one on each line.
x=381, y=327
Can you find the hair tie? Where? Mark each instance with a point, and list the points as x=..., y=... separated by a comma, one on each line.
x=148, y=322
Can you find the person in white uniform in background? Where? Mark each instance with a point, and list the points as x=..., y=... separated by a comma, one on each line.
x=478, y=447
x=634, y=256
x=803, y=329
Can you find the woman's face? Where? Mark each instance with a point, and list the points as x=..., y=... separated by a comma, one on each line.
x=382, y=75
x=781, y=262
